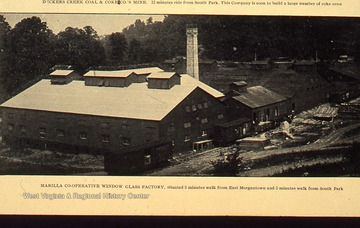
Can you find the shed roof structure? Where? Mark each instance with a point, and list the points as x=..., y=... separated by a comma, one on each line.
x=258, y=96
x=350, y=70
x=61, y=73
x=162, y=75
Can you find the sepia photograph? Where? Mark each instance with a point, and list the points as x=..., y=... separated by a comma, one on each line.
x=170, y=107
x=179, y=95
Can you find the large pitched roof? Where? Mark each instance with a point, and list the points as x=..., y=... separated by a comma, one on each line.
x=135, y=101
x=351, y=70
x=190, y=81
x=258, y=96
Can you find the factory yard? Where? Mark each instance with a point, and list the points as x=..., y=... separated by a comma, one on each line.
x=311, y=130
x=304, y=134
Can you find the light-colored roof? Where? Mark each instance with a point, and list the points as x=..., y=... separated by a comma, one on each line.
x=258, y=96
x=162, y=75
x=147, y=70
x=239, y=83
x=61, y=72
x=108, y=74
x=121, y=73
x=135, y=101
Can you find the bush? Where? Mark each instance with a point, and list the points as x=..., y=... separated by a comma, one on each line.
x=228, y=165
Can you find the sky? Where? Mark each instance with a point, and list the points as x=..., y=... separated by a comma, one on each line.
x=103, y=24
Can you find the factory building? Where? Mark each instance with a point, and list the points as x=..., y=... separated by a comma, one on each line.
x=262, y=106
x=112, y=110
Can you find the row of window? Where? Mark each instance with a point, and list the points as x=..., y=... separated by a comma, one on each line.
x=265, y=114
x=199, y=106
x=61, y=133
x=313, y=87
x=187, y=137
x=43, y=119
x=171, y=127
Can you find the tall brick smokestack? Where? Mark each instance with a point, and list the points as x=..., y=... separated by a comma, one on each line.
x=192, y=55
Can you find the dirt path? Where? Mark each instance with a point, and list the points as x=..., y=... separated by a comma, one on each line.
x=195, y=164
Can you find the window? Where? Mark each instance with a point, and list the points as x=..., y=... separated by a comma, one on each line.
x=204, y=133
x=125, y=127
x=105, y=125
x=244, y=131
x=276, y=111
x=171, y=128
x=60, y=132
x=42, y=132
x=82, y=122
x=193, y=107
x=10, y=127
x=43, y=120
x=200, y=106
x=22, y=116
x=22, y=128
x=255, y=116
x=150, y=134
x=82, y=135
x=10, y=115
x=204, y=120
x=147, y=159
x=187, y=125
x=105, y=138
x=187, y=108
x=221, y=116
x=187, y=138
x=126, y=141
x=266, y=114
x=206, y=105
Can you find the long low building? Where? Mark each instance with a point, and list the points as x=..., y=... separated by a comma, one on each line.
x=112, y=110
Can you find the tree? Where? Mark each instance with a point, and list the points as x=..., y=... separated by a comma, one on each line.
x=135, y=52
x=30, y=52
x=118, y=46
x=80, y=48
x=4, y=52
x=237, y=38
x=149, y=21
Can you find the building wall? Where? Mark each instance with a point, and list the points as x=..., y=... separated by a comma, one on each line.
x=155, y=83
x=192, y=120
x=314, y=92
x=234, y=110
x=75, y=132
x=86, y=133
x=272, y=112
x=227, y=135
x=107, y=81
